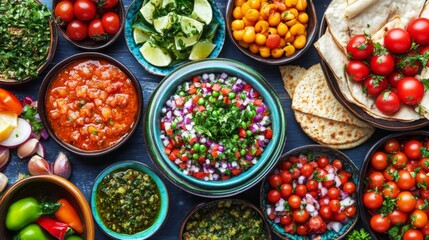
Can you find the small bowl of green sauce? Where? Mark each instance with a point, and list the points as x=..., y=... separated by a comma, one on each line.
x=129, y=201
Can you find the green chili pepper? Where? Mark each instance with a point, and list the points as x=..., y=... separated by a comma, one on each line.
x=27, y=210
x=74, y=238
x=32, y=232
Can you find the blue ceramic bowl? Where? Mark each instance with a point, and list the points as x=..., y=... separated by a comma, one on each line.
x=162, y=215
x=132, y=12
x=235, y=184
x=315, y=150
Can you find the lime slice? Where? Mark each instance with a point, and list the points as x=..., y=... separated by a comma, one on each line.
x=182, y=42
x=201, y=50
x=147, y=11
x=155, y=55
x=190, y=26
x=140, y=36
x=164, y=23
x=167, y=2
x=202, y=11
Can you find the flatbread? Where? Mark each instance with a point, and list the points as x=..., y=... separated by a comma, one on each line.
x=406, y=9
x=291, y=76
x=378, y=37
x=327, y=131
x=425, y=11
x=356, y=7
x=348, y=145
x=313, y=96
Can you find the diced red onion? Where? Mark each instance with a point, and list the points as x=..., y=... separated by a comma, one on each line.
x=336, y=226
x=27, y=101
x=257, y=118
x=260, y=109
x=348, y=201
x=310, y=208
x=301, y=179
x=44, y=134
x=323, y=191
x=248, y=157
x=330, y=176
x=337, y=181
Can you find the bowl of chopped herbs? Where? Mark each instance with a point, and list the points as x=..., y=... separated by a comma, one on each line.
x=27, y=27
x=215, y=127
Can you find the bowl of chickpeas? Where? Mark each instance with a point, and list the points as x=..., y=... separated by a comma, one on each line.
x=272, y=32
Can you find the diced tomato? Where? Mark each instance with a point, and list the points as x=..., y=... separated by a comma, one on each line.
x=235, y=171
x=169, y=131
x=242, y=132
x=255, y=94
x=256, y=144
x=216, y=87
x=238, y=103
x=195, y=79
x=162, y=126
x=201, y=159
x=172, y=157
x=182, y=165
x=195, y=99
x=257, y=102
x=224, y=177
x=201, y=108
x=215, y=154
x=199, y=175
x=9, y=102
x=247, y=87
x=225, y=91
x=258, y=151
x=167, y=150
x=192, y=89
x=269, y=133
x=272, y=215
x=170, y=144
x=215, y=147
x=184, y=157
x=180, y=102
x=192, y=140
x=237, y=155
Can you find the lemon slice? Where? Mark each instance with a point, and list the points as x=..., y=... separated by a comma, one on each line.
x=5, y=129
x=182, y=42
x=140, y=36
x=155, y=55
x=202, y=11
x=149, y=9
x=190, y=26
x=10, y=118
x=201, y=50
x=164, y=23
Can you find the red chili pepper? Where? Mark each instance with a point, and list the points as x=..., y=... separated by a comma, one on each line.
x=57, y=229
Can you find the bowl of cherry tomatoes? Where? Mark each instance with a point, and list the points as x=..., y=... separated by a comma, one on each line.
x=88, y=24
x=275, y=32
x=393, y=200
x=311, y=193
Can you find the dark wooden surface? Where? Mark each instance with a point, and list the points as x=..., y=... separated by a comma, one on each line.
x=85, y=170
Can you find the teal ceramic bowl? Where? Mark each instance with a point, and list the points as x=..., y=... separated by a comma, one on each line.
x=235, y=184
x=134, y=10
x=315, y=151
x=163, y=193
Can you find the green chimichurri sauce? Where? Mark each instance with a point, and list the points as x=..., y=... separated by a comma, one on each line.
x=226, y=220
x=128, y=201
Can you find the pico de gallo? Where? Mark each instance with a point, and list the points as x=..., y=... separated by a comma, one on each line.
x=215, y=126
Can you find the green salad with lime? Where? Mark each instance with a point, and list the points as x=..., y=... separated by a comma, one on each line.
x=173, y=31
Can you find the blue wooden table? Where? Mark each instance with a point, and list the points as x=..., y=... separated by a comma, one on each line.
x=85, y=170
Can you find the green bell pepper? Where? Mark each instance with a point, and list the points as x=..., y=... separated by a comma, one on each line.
x=26, y=211
x=32, y=232
x=74, y=237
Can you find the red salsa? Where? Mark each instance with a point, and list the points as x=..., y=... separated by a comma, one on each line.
x=91, y=104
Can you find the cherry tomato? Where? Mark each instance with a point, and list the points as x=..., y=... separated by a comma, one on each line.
x=424, y=194
x=349, y=188
x=315, y=223
x=275, y=181
x=379, y=161
x=333, y=193
x=372, y=199
x=343, y=176
x=9, y=102
x=392, y=145
x=84, y=10
x=337, y=164
x=64, y=11
x=418, y=218
x=325, y=212
x=424, y=164
x=422, y=179
x=390, y=189
x=273, y=196
x=301, y=190
x=77, y=30
x=406, y=201
x=302, y=230
x=373, y=86
x=322, y=161
x=397, y=217
x=399, y=160
x=376, y=180
x=334, y=205
x=286, y=176
x=425, y=230
x=418, y=29
x=107, y=3
x=357, y=70
x=359, y=47
x=294, y=201
x=412, y=149
x=382, y=64
x=350, y=211
x=389, y=173
x=291, y=228
x=300, y=215
x=409, y=67
x=286, y=190
x=273, y=41
x=413, y=234
x=423, y=52
x=285, y=165
x=394, y=78
x=380, y=223
x=405, y=180
x=388, y=102
x=328, y=183
x=111, y=22
x=339, y=216
x=285, y=220
x=96, y=31
x=311, y=185
x=307, y=170
x=410, y=90
x=397, y=40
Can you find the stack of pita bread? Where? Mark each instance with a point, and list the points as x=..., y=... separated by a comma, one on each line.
x=320, y=115
x=347, y=18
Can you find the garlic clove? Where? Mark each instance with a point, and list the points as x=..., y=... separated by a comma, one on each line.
x=4, y=157
x=38, y=166
x=40, y=150
x=62, y=166
x=3, y=182
x=28, y=148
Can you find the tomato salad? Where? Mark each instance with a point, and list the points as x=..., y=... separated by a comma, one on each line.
x=215, y=127
x=309, y=194
x=396, y=192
